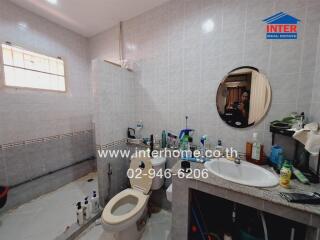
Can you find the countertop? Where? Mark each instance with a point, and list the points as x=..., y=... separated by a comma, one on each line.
x=265, y=194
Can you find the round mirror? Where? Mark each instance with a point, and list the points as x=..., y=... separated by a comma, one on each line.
x=243, y=97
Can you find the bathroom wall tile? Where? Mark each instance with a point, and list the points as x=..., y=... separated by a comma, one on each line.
x=257, y=48
x=234, y=12
x=285, y=57
x=217, y=4
x=102, y=180
x=34, y=158
x=289, y=5
x=316, y=87
x=305, y=90
x=18, y=169
x=285, y=87
x=233, y=39
x=258, y=10
x=3, y=172
x=315, y=113
x=52, y=156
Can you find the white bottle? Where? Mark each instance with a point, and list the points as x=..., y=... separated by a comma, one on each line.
x=256, y=148
x=139, y=130
x=86, y=209
x=219, y=150
x=79, y=214
x=94, y=203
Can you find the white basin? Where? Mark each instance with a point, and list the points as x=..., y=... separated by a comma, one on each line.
x=244, y=173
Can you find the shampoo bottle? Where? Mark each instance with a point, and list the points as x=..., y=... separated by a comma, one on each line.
x=94, y=203
x=86, y=209
x=79, y=214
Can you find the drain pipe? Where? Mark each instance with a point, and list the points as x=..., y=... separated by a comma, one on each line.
x=109, y=181
x=265, y=230
x=121, y=58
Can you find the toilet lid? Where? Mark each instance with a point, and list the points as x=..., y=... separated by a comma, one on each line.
x=139, y=174
x=157, y=161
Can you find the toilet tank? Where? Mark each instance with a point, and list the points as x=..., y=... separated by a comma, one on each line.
x=158, y=164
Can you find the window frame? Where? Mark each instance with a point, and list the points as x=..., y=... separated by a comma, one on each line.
x=2, y=73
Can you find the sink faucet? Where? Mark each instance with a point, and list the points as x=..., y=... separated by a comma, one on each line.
x=237, y=160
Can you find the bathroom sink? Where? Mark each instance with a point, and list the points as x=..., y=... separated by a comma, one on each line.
x=244, y=173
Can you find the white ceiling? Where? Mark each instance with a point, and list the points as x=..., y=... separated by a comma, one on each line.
x=88, y=17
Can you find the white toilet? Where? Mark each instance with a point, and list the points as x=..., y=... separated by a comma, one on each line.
x=125, y=214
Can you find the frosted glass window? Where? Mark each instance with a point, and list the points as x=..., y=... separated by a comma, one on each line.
x=27, y=69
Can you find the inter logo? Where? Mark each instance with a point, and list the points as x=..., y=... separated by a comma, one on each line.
x=281, y=26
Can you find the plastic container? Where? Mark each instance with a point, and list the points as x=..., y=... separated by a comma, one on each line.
x=285, y=175
x=255, y=151
x=79, y=214
x=86, y=209
x=94, y=203
x=3, y=195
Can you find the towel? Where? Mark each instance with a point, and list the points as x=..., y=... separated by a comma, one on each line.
x=310, y=137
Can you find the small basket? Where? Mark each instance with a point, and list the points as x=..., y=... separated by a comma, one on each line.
x=3, y=195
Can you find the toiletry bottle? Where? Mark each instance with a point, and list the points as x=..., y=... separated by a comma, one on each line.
x=219, y=149
x=256, y=148
x=203, y=141
x=94, y=203
x=86, y=209
x=164, y=139
x=285, y=175
x=139, y=130
x=254, y=151
x=79, y=214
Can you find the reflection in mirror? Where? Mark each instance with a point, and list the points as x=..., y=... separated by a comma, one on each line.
x=243, y=97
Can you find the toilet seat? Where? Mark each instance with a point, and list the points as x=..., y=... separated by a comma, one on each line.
x=135, y=197
x=125, y=208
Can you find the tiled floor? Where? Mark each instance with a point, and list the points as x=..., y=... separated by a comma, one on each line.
x=48, y=216
x=158, y=228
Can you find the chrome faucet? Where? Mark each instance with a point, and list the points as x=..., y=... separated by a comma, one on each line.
x=237, y=160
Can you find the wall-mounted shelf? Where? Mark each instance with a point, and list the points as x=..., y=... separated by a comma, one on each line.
x=313, y=177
